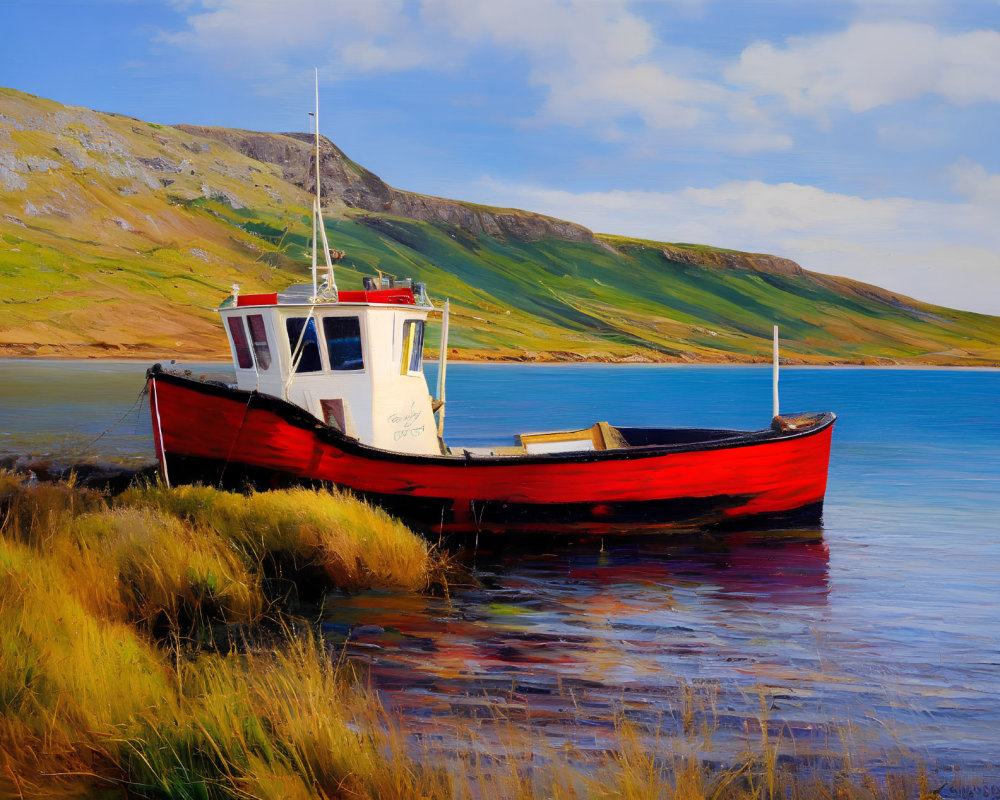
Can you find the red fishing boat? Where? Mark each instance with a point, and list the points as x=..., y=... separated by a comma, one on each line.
x=330, y=388
x=602, y=479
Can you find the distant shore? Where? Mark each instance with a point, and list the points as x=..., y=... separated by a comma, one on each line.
x=131, y=353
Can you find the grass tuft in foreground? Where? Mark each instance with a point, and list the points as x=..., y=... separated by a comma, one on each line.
x=107, y=676
x=330, y=538
x=145, y=652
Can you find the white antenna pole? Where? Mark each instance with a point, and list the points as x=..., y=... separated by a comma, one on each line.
x=315, y=289
x=317, y=131
x=318, y=223
x=443, y=364
x=317, y=213
x=774, y=371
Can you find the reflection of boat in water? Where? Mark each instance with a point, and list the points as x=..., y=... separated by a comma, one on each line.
x=788, y=566
x=330, y=387
x=582, y=617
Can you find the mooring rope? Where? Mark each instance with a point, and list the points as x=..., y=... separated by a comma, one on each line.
x=136, y=403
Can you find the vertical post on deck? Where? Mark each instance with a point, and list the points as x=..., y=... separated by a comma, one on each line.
x=774, y=376
x=443, y=364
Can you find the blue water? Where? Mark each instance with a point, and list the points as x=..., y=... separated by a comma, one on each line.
x=884, y=620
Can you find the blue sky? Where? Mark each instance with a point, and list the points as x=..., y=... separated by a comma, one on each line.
x=858, y=137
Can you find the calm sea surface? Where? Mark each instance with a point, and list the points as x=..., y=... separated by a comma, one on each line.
x=884, y=621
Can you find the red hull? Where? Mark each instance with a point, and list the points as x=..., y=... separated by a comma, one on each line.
x=210, y=432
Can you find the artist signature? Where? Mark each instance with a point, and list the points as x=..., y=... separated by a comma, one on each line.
x=404, y=432
x=406, y=420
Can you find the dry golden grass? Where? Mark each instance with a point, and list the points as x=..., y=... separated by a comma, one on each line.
x=351, y=543
x=71, y=681
x=95, y=699
x=167, y=570
x=88, y=699
x=37, y=513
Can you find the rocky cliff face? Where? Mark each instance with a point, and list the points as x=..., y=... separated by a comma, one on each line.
x=754, y=262
x=347, y=183
x=774, y=265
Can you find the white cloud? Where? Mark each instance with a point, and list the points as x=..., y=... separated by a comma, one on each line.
x=583, y=31
x=973, y=181
x=264, y=35
x=597, y=63
x=600, y=62
x=944, y=253
x=873, y=64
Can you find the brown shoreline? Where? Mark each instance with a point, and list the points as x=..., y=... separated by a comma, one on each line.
x=143, y=352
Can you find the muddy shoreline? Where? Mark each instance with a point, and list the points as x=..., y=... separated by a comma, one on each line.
x=144, y=353
x=101, y=474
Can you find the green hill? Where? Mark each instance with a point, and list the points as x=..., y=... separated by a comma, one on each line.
x=119, y=237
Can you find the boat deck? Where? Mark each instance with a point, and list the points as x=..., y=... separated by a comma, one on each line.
x=603, y=436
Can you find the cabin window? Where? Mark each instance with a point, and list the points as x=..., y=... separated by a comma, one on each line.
x=343, y=342
x=306, y=352
x=258, y=336
x=413, y=346
x=239, y=334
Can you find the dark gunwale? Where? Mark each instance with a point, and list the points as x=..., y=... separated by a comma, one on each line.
x=293, y=415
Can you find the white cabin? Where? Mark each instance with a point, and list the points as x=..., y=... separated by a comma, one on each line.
x=354, y=362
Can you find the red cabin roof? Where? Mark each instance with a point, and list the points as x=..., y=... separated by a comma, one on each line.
x=257, y=299
x=398, y=297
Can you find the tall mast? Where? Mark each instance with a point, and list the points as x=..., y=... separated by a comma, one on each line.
x=317, y=215
x=317, y=135
x=318, y=224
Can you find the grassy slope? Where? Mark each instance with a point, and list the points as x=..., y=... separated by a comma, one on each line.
x=93, y=235
x=578, y=298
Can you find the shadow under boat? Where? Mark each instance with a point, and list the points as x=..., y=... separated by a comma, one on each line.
x=781, y=565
